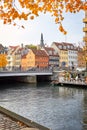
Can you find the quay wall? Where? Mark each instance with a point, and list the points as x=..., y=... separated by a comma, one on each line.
x=27, y=79
x=22, y=119
x=34, y=79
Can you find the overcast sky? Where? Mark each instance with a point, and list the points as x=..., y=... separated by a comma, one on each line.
x=13, y=35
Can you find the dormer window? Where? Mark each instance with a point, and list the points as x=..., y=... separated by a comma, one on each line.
x=64, y=47
x=50, y=52
x=68, y=46
x=60, y=46
x=71, y=47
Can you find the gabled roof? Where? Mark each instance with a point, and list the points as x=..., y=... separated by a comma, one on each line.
x=66, y=44
x=1, y=46
x=39, y=52
x=72, y=47
x=49, y=49
x=14, y=47
x=57, y=43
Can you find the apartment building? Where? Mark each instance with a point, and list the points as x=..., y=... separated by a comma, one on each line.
x=72, y=56
x=67, y=54
x=13, y=57
x=63, y=53
x=35, y=58
x=53, y=56
x=81, y=61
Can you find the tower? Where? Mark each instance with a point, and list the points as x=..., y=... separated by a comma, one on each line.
x=41, y=41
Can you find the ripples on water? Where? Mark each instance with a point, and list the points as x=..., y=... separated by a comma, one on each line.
x=58, y=108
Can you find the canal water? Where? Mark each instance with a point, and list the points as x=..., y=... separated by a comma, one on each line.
x=58, y=108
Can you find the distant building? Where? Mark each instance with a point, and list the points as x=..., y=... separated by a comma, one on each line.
x=53, y=56
x=41, y=58
x=13, y=57
x=63, y=53
x=81, y=61
x=3, y=50
x=41, y=42
x=35, y=58
x=67, y=54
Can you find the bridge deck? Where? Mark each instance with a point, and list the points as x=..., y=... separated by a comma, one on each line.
x=24, y=73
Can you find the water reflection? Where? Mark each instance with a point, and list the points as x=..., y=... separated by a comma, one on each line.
x=85, y=111
x=59, y=108
x=65, y=92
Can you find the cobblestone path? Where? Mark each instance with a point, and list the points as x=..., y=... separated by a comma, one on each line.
x=6, y=123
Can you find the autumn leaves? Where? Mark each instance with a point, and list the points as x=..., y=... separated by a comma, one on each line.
x=10, y=10
x=3, y=61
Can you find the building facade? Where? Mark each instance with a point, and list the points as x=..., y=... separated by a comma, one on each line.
x=53, y=56
x=13, y=58
x=68, y=54
x=35, y=58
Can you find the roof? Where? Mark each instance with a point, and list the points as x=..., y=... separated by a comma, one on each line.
x=52, y=51
x=69, y=46
x=49, y=49
x=39, y=52
x=14, y=47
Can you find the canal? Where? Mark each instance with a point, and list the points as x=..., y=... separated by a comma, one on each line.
x=58, y=108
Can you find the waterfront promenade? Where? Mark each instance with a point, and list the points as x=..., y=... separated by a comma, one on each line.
x=12, y=121
x=7, y=123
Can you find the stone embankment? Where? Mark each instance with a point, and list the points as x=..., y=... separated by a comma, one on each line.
x=12, y=121
x=7, y=123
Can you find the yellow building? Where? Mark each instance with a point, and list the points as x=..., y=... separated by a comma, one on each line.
x=35, y=58
x=63, y=57
x=63, y=53
x=13, y=57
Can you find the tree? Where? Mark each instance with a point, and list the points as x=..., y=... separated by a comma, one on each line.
x=3, y=61
x=10, y=10
x=31, y=46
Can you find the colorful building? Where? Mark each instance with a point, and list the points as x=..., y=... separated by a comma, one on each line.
x=68, y=54
x=81, y=61
x=35, y=58
x=13, y=58
x=53, y=56
x=63, y=53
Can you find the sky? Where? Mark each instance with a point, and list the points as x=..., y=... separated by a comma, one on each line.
x=73, y=24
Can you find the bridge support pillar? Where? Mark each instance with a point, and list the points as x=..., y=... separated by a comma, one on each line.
x=28, y=79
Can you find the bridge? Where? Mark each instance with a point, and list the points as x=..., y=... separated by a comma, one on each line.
x=24, y=73
x=27, y=76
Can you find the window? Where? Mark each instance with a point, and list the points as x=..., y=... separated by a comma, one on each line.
x=60, y=46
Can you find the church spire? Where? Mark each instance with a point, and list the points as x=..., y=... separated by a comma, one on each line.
x=42, y=41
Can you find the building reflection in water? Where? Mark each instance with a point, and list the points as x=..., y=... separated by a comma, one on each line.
x=85, y=111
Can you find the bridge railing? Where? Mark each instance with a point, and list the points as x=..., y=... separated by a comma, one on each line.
x=34, y=70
